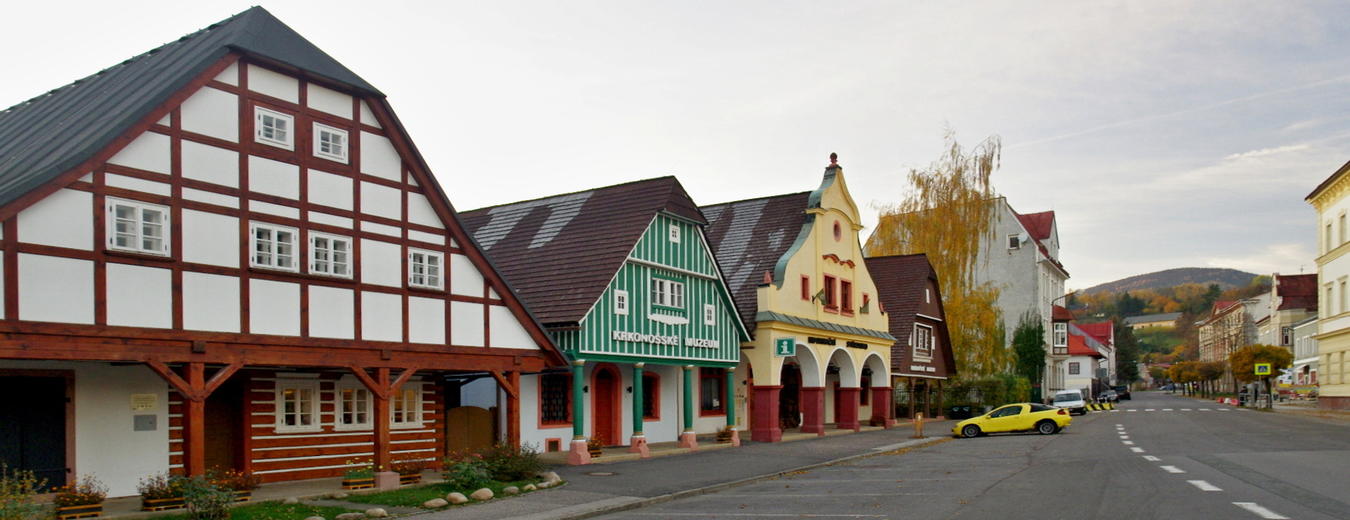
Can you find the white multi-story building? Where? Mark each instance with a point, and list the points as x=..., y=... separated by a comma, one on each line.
x=1332, y=201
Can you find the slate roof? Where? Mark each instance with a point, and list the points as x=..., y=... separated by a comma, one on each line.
x=1148, y=318
x=559, y=253
x=52, y=133
x=748, y=237
x=1296, y=291
x=900, y=281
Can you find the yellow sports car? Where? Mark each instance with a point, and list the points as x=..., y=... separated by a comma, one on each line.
x=1020, y=417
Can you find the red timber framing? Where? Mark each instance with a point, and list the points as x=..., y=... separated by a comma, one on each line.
x=181, y=356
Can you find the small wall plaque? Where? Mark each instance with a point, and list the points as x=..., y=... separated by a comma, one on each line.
x=144, y=423
x=144, y=402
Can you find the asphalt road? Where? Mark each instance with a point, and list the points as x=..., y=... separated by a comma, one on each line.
x=1171, y=457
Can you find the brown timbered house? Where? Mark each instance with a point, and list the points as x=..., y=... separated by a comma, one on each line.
x=227, y=252
x=921, y=357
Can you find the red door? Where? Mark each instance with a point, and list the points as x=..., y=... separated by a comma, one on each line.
x=605, y=405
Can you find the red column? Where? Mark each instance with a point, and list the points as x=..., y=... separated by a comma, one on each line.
x=194, y=417
x=882, y=410
x=813, y=409
x=764, y=423
x=381, y=419
x=513, y=410
x=848, y=409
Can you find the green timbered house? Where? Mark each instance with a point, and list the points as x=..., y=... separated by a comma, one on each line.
x=623, y=280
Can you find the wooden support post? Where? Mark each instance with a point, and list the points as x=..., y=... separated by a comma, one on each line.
x=194, y=422
x=513, y=410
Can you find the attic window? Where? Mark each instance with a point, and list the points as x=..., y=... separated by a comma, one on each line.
x=274, y=128
x=330, y=143
x=1014, y=242
x=674, y=233
x=137, y=227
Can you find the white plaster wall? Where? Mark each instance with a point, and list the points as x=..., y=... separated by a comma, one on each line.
x=330, y=101
x=273, y=307
x=332, y=220
x=381, y=229
x=210, y=302
x=268, y=208
x=56, y=289
x=530, y=432
x=381, y=200
x=507, y=331
x=209, y=238
x=464, y=277
x=207, y=163
x=332, y=312
x=380, y=158
x=330, y=190
x=229, y=76
x=150, y=152
x=135, y=184
x=381, y=316
x=212, y=112
x=367, y=116
x=466, y=324
x=381, y=263
x=140, y=296
x=277, y=85
x=426, y=320
x=49, y=221
x=433, y=238
x=667, y=428
x=103, y=419
x=421, y=212
x=273, y=177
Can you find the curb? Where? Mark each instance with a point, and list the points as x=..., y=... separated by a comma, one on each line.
x=644, y=502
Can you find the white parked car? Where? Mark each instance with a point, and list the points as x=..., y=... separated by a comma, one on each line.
x=1071, y=400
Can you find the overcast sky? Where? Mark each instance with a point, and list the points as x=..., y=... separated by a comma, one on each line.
x=1163, y=134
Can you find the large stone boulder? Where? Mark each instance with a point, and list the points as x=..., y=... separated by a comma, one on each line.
x=510, y=490
x=550, y=476
x=482, y=494
x=529, y=487
x=456, y=498
x=376, y=512
x=435, y=503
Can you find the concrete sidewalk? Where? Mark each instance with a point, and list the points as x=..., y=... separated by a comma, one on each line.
x=599, y=489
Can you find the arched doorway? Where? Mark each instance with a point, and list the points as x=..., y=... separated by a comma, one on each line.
x=606, y=409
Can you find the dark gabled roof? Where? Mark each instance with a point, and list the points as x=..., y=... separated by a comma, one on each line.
x=900, y=281
x=50, y=134
x=1296, y=291
x=748, y=237
x=559, y=253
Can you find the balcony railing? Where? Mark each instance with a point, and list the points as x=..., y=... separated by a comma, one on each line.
x=1060, y=351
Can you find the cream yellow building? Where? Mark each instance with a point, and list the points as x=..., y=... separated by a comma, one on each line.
x=1333, y=272
x=820, y=352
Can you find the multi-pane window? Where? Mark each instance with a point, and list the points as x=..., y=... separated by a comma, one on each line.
x=330, y=143
x=712, y=391
x=651, y=396
x=273, y=246
x=667, y=293
x=1061, y=338
x=297, y=405
x=923, y=342
x=425, y=269
x=1074, y=368
x=138, y=227
x=406, y=406
x=353, y=407
x=709, y=314
x=831, y=299
x=674, y=233
x=846, y=296
x=274, y=128
x=555, y=399
x=621, y=302
x=330, y=255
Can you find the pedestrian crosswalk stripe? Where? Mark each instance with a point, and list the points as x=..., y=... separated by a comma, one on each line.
x=1172, y=469
x=1137, y=449
x=1260, y=511
x=1151, y=458
x=1204, y=486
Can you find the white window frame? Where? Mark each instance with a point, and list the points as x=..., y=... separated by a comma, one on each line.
x=1014, y=241
x=299, y=385
x=288, y=140
x=918, y=353
x=1061, y=336
x=273, y=259
x=710, y=315
x=325, y=267
x=674, y=233
x=319, y=130
x=340, y=407
x=430, y=280
x=621, y=302
x=400, y=415
x=1075, y=368
x=667, y=293
x=139, y=224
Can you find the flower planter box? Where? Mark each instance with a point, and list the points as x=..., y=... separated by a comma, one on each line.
x=358, y=483
x=723, y=436
x=80, y=511
x=405, y=480
x=243, y=495
x=161, y=504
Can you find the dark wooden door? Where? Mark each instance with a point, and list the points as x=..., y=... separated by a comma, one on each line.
x=605, y=412
x=224, y=416
x=789, y=398
x=33, y=427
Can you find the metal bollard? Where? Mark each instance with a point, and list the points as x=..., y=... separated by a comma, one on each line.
x=918, y=426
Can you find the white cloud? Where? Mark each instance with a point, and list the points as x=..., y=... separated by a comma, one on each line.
x=1285, y=258
x=1268, y=151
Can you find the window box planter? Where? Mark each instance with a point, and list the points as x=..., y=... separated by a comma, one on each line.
x=80, y=511
x=161, y=504
x=724, y=436
x=243, y=495
x=358, y=483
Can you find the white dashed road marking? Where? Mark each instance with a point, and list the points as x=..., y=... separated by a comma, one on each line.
x=1167, y=409
x=1137, y=449
x=1225, y=409
x=1204, y=409
x=1151, y=458
x=1124, y=437
x=1148, y=409
x=1131, y=410
x=1172, y=469
x=1127, y=443
x=1185, y=409
x=1260, y=511
x=1204, y=486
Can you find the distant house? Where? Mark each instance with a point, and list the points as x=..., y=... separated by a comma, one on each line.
x=921, y=358
x=1105, y=334
x=1152, y=320
x=1293, y=299
x=1230, y=325
x=1085, y=360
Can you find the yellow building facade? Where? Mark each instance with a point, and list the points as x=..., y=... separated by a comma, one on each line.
x=1332, y=201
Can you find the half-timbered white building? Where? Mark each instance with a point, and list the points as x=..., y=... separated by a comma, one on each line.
x=226, y=252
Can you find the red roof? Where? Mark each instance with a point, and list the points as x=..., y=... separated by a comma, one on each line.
x=1078, y=347
x=1220, y=306
x=1058, y=313
x=1102, y=331
x=1038, y=224
x=1296, y=291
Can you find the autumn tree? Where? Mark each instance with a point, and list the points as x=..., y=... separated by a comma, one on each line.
x=1244, y=360
x=1209, y=374
x=948, y=214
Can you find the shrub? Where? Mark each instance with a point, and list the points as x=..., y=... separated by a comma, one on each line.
x=85, y=491
x=17, y=489
x=468, y=473
x=233, y=480
x=205, y=501
x=363, y=470
x=408, y=467
x=161, y=485
x=508, y=463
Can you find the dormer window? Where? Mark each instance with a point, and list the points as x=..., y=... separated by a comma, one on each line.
x=274, y=128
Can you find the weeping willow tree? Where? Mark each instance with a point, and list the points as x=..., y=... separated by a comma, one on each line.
x=948, y=214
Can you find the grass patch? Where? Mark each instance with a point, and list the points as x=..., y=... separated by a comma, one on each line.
x=274, y=511
x=414, y=496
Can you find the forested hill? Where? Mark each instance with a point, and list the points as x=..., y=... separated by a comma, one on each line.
x=1224, y=278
